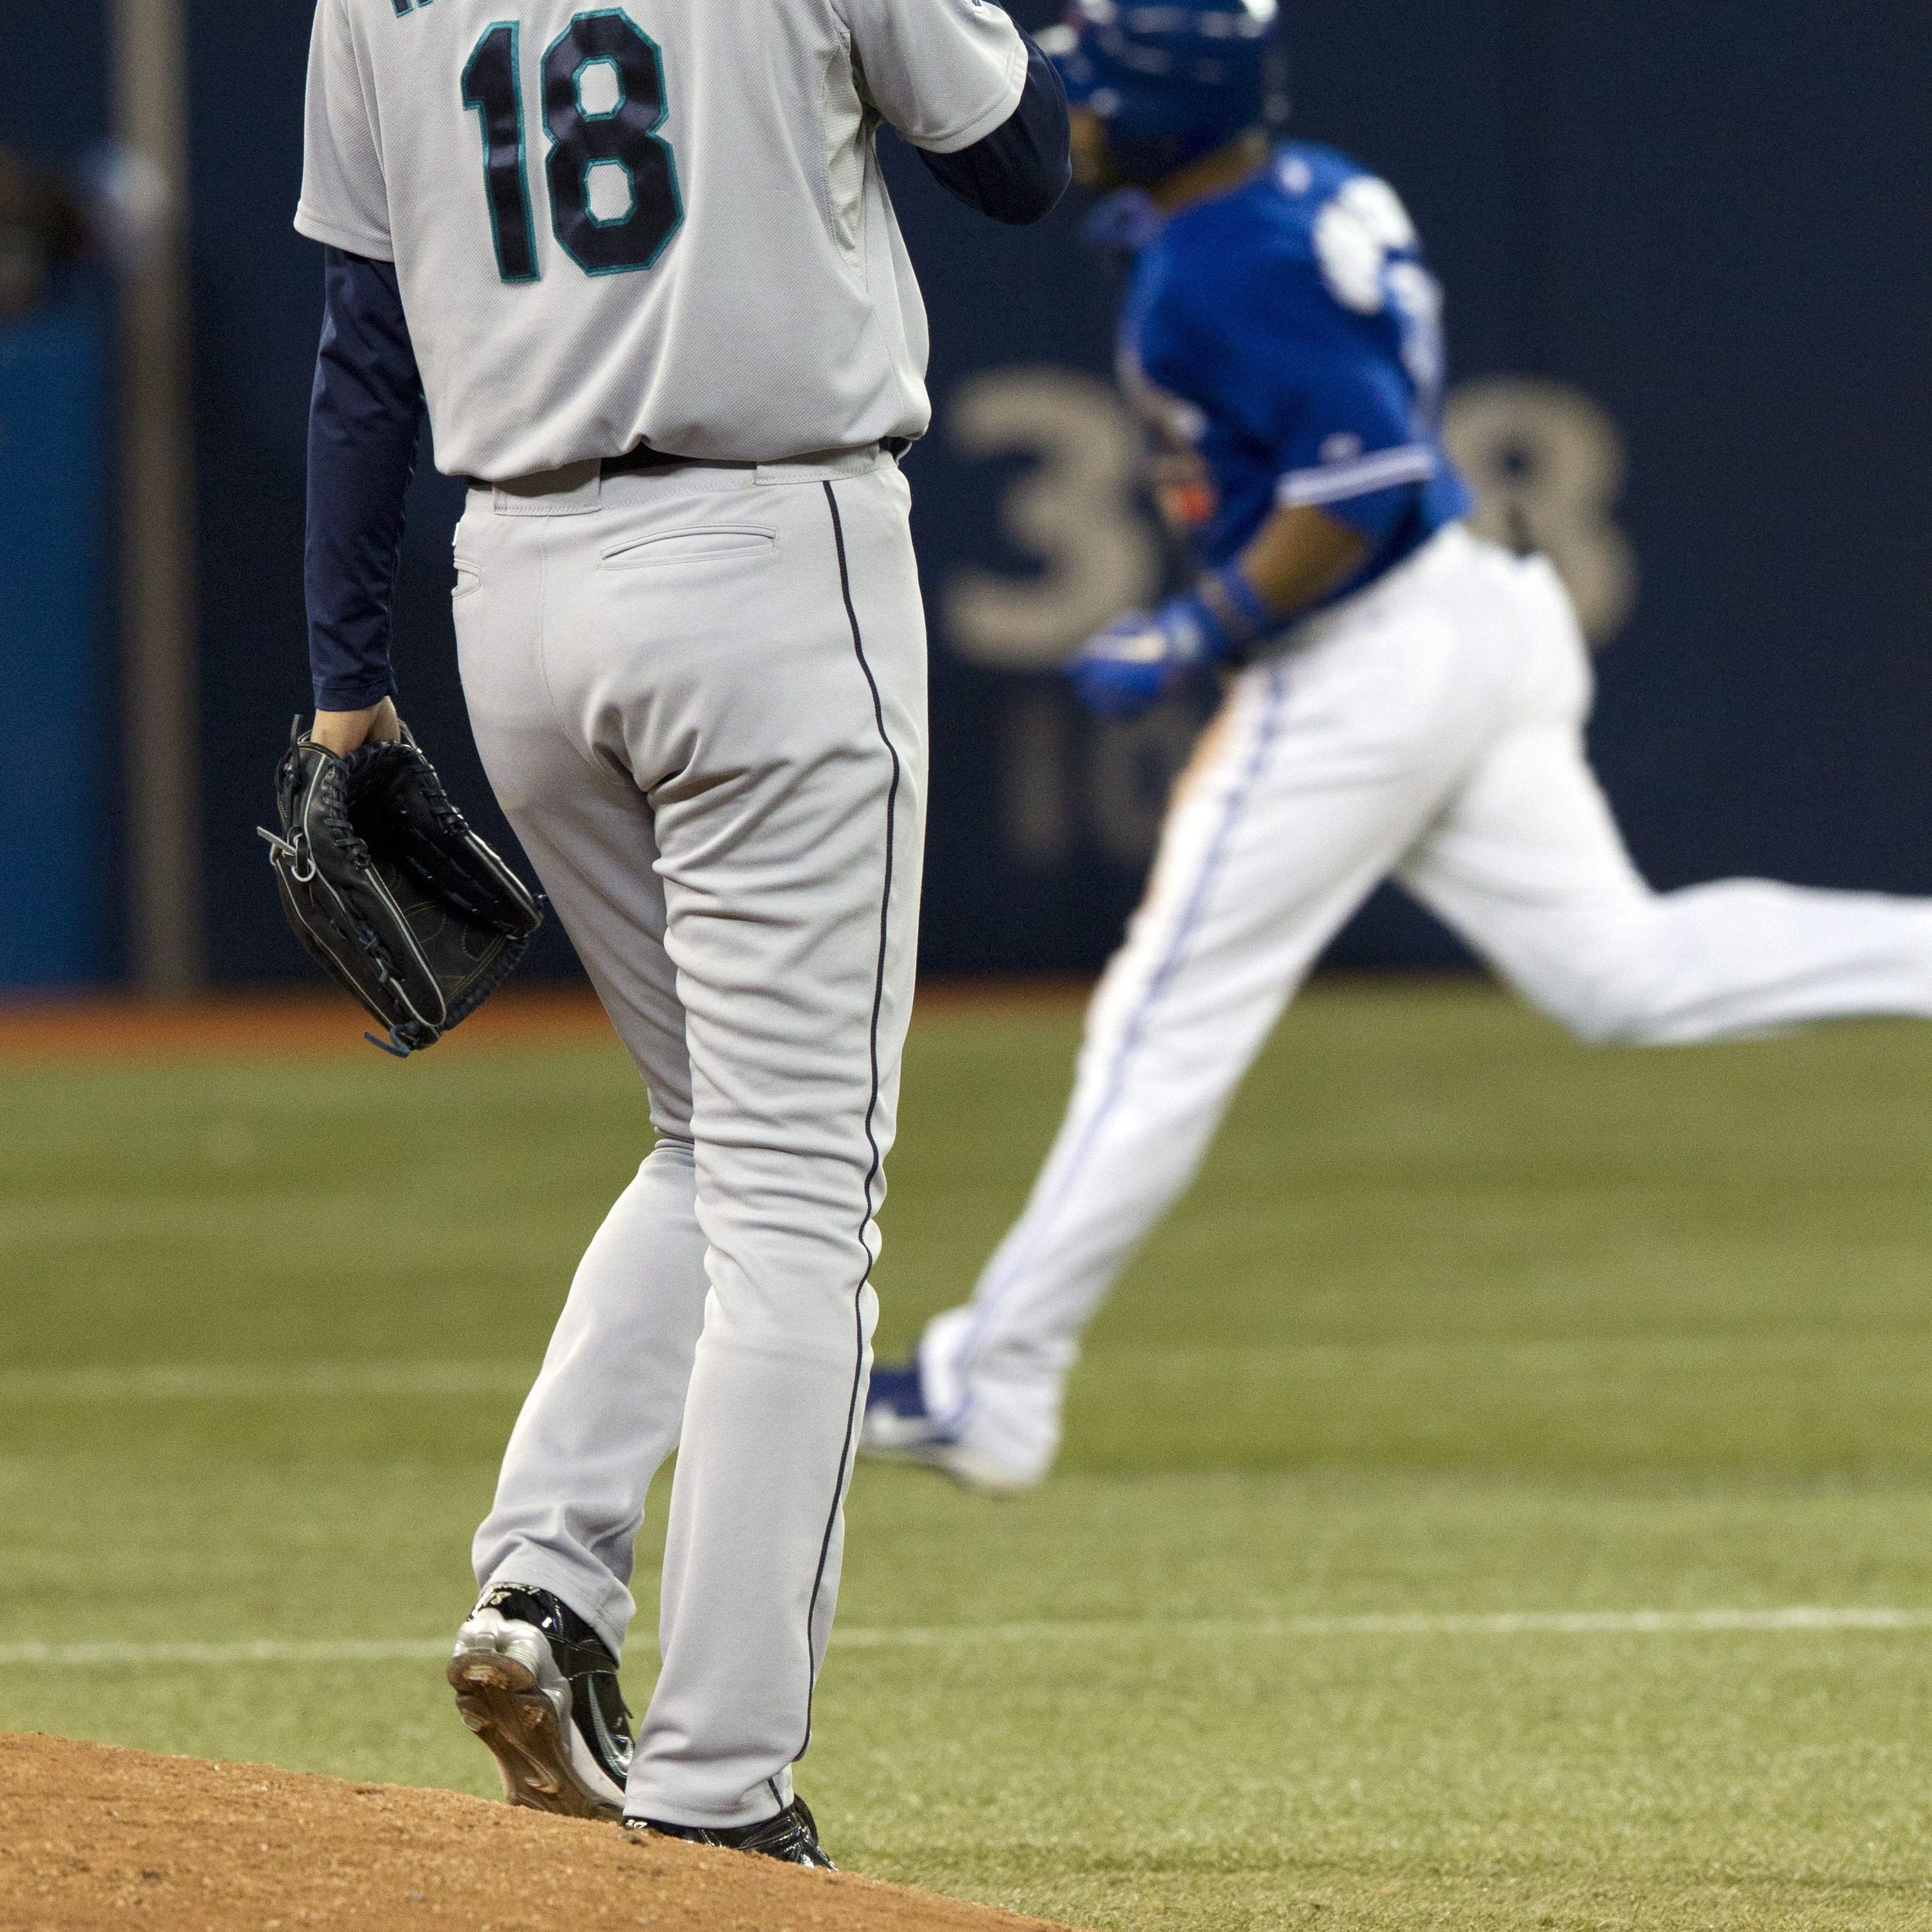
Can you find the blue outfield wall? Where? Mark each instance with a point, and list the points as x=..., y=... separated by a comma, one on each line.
x=58, y=737
x=54, y=887
x=1687, y=301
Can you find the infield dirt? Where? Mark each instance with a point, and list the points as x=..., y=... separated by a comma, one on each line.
x=92, y=1837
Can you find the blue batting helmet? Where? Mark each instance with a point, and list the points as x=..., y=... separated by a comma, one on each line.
x=1172, y=79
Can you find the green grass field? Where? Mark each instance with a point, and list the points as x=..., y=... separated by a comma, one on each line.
x=1463, y=1321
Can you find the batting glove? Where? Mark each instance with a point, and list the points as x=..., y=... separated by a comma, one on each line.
x=1140, y=658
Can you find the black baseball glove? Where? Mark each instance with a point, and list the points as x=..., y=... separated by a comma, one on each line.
x=391, y=892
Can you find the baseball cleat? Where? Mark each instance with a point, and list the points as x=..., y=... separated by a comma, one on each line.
x=537, y=1684
x=791, y=1837
x=899, y=1427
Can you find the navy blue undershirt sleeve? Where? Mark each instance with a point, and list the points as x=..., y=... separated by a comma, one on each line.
x=1019, y=171
x=364, y=418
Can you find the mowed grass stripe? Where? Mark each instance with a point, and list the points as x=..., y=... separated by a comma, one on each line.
x=218, y=1382
x=247, y=1381
x=1581, y=1623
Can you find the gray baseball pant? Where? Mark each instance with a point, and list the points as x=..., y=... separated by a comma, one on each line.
x=700, y=697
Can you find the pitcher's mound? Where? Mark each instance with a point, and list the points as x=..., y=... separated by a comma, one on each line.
x=91, y=1837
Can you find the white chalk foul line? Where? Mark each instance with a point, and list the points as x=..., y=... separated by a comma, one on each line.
x=1527, y=1622
x=1572, y=1622
x=269, y=1381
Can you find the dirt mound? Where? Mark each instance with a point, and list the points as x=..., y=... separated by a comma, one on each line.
x=91, y=1837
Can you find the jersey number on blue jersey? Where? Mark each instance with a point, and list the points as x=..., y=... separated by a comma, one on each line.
x=622, y=135
x=1371, y=260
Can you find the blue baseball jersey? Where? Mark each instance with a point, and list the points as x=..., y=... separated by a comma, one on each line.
x=1284, y=343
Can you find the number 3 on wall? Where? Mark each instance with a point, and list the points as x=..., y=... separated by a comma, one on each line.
x=622, y=135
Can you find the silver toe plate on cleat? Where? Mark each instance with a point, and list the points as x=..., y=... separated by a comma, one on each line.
x=510, y=1692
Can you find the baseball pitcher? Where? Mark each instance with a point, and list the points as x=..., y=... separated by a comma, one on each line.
x=638, y=264
x=1403, y=700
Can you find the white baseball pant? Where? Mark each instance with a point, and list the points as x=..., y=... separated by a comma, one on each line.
x=1431, y=729
x=700, y=697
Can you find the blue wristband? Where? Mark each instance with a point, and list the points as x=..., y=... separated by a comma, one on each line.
x=1253, y=618
x=1226, y=624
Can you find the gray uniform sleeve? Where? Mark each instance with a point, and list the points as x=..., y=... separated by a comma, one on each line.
x=943, y=73
x=344, y=203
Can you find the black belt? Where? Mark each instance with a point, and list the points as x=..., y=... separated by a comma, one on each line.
x=643, y=460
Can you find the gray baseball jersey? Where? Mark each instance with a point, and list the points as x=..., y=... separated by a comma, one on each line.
x=658, y=223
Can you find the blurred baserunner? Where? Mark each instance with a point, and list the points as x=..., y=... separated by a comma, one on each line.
x=1403, y=700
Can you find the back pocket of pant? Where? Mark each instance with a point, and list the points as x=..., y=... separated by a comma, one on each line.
x=715, y=543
